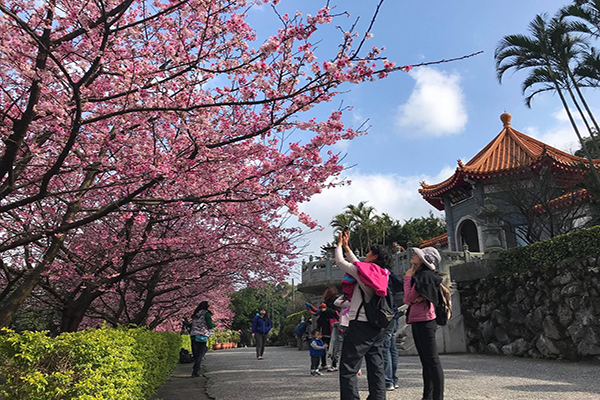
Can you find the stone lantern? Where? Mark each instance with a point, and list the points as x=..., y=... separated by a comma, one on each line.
x=490, y=216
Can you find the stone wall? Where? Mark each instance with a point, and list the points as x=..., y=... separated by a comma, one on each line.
x=551, y=313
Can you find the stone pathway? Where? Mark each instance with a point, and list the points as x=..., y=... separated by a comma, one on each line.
x=283, y=374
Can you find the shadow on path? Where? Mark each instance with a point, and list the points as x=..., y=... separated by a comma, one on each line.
x=181, y=386
x=284, y=374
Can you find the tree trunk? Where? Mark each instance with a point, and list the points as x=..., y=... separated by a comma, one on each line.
x=583, y=146
x=11, y=304
x=75, y=310
x=581, y=113
x=585, y=105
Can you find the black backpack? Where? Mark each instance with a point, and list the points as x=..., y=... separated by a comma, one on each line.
x=185, y=357
x=443, y=311
x=379, y=310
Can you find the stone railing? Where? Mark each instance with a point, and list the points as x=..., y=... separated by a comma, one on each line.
x=321, y=270
x=326, y=269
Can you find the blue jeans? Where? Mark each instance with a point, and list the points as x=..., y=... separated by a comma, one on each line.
x=390, y=354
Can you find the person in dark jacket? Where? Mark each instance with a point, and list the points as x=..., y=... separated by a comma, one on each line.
x=261, y=325
x=324, y=325
x=390, y=351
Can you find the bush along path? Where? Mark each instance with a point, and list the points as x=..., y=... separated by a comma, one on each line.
x=103, y=364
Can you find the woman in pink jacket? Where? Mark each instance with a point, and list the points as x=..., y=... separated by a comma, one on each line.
x=421, y=287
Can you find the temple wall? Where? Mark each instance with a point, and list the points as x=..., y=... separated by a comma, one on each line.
x=554, y=313
x=456, y=213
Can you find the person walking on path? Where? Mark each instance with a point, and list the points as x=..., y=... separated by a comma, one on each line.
x=390, y=351
x=362, y=339
x=201, y=328
x=317, y=351
x=261, y=325
x=421, y=287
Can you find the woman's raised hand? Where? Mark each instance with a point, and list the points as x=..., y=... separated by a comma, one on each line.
x=341, y=239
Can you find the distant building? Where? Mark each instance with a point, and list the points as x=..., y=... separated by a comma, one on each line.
x=475, y=199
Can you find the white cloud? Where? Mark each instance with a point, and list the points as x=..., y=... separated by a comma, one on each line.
x=436, y=107
x=563, y=138
x=561, y=135
x=342, y=146
x=395, y=195
x=561, y=115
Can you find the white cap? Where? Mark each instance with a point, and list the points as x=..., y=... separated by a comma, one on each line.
x=429, y=255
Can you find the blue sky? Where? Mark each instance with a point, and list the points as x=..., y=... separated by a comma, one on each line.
x=422, y=122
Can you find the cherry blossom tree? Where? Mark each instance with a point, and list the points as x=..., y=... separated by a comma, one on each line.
x=121, y=117
x=108, y=105
x=161, y=263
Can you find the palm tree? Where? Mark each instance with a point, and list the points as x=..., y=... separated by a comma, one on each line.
x=383, y=225
x=546, y=64
x=587, y=12
x=342, y=221
x=362, y=215
x=584, y=17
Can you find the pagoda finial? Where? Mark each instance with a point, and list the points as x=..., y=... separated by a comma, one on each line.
x=505, y=118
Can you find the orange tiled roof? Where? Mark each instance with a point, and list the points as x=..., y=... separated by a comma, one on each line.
x=442, y=240
x=507, y=152
x=565, y=200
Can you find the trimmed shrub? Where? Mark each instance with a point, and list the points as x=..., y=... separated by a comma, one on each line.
x=99, y=363
x=159, y=354
x=574, y=246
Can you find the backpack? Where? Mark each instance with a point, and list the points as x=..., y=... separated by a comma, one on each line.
x=185, y=357
x=443, y=311
x=333, y=321
x=379, y=310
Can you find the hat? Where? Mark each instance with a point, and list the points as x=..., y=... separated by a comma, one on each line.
x=323, y=305
x=429, y=255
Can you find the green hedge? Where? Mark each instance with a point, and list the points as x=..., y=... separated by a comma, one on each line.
x=99, y=363
x=574, y=246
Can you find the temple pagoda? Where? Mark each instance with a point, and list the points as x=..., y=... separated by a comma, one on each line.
x=474, y=197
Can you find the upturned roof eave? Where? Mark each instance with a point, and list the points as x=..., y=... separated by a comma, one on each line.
x=464, y=172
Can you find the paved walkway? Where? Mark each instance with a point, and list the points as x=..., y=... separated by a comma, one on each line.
x=283, y=374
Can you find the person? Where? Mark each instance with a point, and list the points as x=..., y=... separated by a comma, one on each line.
x=390, y=351
x=362, y=338
x=324, y=323
x=421, y=287
x=338, y=329
x=201, y=328
x=261, y=325
x=396, y=248
x=300, y=332
x=317, y=351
